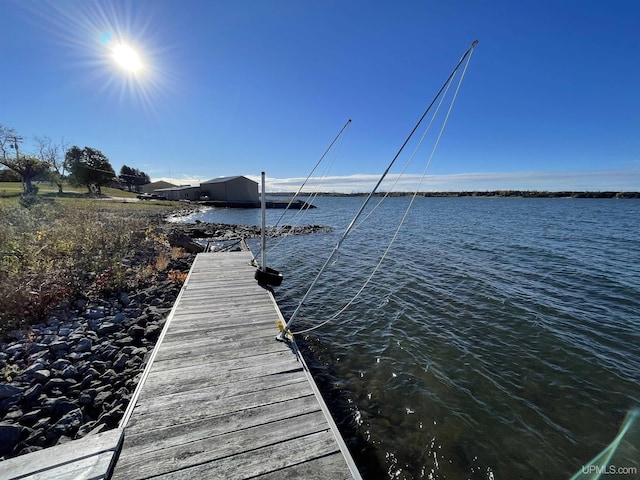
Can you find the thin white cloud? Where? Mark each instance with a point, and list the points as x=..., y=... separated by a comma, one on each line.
x=183, y=180
x=617, y=180
x=601, y=180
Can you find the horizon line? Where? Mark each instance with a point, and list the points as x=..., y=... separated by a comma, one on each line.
x=618, y=180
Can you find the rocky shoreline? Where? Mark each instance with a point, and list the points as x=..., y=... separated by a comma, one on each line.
x=75, y=374
x=192, y=236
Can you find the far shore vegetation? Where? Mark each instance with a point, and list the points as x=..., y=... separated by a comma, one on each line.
x=481, y=193
x=55, y=248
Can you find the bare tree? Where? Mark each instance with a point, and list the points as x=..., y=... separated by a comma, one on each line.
x=9, y=139
x=53, y=154
x=27, y=166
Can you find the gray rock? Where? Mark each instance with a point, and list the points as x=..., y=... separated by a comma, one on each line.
x=101, y=366
x=36, y=347
x=128, y=350
x=58, y=346
x=91, y=373
x=8, y=390
x=120, y=361
x=107, y=327
x=108, y=377
x=58, y=407
x=140, y=352
x=133, y=363
x=124, y=299
x=152, y=331
x=30, y=370
x=41, y=356
x=15, y=352
x=29, y=419
x=84, y=345
x=80, y=304
x=86, y=429
x=76, y=356
x=60, y=364
x=13, y=415
x=87, y=397
x=10, y=435
x=119, y=318
x=95, y=313
x=69, y=372
x=103, y=397
x=111, y=417
x=42, y=376
x=84, y=383
x=109, y=351
x=178, y=239
x=65, y=331
x=136, y=332
x=38, y=438
x=124, y=341
x=69, y=422
x=28, y=449
x=8, y=403
x=53, y=322
x=42, y=423
x=32, y=393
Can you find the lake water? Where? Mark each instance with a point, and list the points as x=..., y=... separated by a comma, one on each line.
x=500, y=337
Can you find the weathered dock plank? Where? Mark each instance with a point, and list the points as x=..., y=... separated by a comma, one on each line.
x=185, y=432
x=221, y=398
x=267, y=459
x=87, y=458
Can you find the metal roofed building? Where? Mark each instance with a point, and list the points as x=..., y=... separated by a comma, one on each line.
x=153, y=186
x=179, y=193
x=236, y=189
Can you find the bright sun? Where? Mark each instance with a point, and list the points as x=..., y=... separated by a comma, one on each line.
x=127, y=58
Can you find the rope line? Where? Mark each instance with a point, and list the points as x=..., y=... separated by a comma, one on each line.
x=312, y=197
x=415, y=151
x=278, y=231
x=406, y=212
x=313, y=170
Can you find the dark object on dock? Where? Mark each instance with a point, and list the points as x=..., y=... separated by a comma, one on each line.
x=265, y=275
x=269, y=277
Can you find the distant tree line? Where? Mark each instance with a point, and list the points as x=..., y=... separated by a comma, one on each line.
x=55, y=162
x=133, y=178
x=493, y=193
x=535, y=194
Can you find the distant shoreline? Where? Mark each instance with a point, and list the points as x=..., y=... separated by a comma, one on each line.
x=492, y=193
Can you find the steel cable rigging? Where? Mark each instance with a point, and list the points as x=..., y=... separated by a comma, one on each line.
x=444, y=88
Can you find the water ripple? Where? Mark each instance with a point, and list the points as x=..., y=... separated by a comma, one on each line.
x=498, y=340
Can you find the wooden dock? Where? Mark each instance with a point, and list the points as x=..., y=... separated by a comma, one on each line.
x=91, y=457
x=223, y=398
x=220, y=397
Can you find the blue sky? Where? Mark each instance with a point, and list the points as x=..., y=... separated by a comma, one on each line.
x=550, y=100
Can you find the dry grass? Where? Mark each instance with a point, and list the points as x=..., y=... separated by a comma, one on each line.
x=54, y=250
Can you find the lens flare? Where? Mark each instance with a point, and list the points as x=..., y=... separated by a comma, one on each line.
x=127, y=58
x=113, y=50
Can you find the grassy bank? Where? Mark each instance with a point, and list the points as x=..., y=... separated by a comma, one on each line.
x=49, y=189
x=54, y=249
